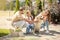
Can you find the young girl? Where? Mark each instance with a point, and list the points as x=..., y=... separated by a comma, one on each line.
x=29, y=20
x=46, y=20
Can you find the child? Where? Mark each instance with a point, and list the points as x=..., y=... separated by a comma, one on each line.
x=29, y=20
x=46, y=20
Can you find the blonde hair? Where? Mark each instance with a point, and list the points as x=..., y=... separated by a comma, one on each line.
x=28, y=12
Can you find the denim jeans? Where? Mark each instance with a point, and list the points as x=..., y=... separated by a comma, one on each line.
x=29, y=27
x=18, y=24
x=45, y=24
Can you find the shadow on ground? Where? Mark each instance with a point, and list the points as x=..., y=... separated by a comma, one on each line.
x=52, y=33
x=3, y=34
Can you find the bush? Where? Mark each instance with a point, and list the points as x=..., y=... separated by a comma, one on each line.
x=4, y=32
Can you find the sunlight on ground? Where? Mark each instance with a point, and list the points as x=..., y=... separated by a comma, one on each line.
x=6, y=13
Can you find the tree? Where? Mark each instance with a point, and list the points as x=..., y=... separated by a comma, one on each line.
x=11, y=5
x=39, y=6
x=28, y=2
x=36, y=8
x=17, y=5
x=50, y=3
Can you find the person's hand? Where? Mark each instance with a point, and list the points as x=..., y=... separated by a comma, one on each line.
x=36, y=20
x=25, y=19
x=30, y=22
x=21, y=18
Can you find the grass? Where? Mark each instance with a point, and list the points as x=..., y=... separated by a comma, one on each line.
x=4, y=32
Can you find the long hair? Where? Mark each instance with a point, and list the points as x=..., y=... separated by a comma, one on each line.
x=49, y=16
x=28, y=11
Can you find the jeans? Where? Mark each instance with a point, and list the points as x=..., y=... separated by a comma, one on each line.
x=18, y=24
x=29, y=28
x=45, y=24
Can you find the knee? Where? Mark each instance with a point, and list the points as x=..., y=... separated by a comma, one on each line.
x=28, y=27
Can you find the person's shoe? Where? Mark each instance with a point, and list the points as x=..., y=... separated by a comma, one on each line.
x=26, y=33
x=39, y=35
x=47, y=32
x=35, y=34
x=42, y=29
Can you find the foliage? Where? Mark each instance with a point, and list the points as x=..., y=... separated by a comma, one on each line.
x=4, y=32
x=22, y=4
x=17, y=5
x=28, y=2
x=50, y=2
x=55, y=13
x=40, y=5
x=11, y=5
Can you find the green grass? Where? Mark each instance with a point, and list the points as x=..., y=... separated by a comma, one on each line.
x=4, y=32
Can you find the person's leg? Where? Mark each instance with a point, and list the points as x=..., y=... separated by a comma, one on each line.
x=43, y=26
x=32, y=26
x=47, y=26
x=18, y=24
x=32, y=29
x=28, y=29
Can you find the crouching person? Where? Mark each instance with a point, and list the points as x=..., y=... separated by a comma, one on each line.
x=18, y=20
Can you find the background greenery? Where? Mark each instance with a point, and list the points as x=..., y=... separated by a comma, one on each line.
x=4, y=32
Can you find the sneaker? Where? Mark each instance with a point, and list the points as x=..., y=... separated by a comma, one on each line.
x=47, y=32
x=26, y=33
x=39, y=35
x=35, y=34
x=42, y=29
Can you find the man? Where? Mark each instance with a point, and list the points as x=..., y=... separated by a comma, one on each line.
x=18, y=19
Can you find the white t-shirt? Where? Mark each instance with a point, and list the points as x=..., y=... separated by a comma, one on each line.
x=18, y=23
x=29, y=18
x=17, y=14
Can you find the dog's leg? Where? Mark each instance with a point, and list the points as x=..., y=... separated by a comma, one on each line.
x=35, y=29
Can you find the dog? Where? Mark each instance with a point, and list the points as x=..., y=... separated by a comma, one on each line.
x=39, y=19
x=37, y=22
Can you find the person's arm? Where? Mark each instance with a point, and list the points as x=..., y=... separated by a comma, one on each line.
x=14, y=19
x=29, y=21
x=36, y=19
